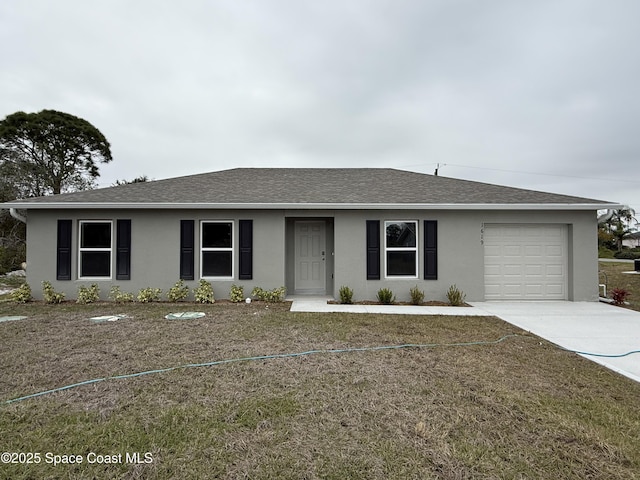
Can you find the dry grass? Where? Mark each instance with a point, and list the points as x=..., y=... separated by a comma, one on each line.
x=518, y=409
x=612, y=272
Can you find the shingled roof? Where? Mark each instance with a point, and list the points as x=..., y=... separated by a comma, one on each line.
x=309, y=188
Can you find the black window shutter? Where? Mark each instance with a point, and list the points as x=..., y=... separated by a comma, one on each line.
x=123, y=250
x=187, y=239
x=373, y=249
x=63, y=257
x=246, y=250
x=430, y=250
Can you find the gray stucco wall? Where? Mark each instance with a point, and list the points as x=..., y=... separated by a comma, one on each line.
x=155, y=241
x=156, y=238
x=460, y=251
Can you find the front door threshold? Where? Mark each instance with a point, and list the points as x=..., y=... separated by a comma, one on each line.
x=317, y=292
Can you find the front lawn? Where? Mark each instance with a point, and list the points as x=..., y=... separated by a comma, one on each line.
x=612, y=274
x=514, y=408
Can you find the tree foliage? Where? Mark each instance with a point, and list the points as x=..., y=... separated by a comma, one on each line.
x=12, y=232
x=41, y=154
x=140, y=179
x=616, y=228
x=50, y=152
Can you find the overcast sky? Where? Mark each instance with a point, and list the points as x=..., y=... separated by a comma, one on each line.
x=537, y=94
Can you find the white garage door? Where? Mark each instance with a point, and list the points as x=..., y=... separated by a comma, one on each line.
x=525, y=262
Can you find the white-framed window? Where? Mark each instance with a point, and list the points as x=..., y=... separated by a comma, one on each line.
x=95, y=249
x=401, y=248
x=216, y=249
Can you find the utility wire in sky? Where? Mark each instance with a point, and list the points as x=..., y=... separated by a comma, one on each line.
x=440, y=165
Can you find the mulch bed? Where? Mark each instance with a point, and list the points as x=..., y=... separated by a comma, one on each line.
x=431, y=303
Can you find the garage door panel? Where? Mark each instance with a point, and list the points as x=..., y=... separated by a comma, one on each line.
x=512, y=251
x=534, y=289
x=492, y=290
x=525, y=262
x=554, y=232
x=530, y=269
x=510, y=231
x=512, y=289
x=513, y=270
x=554, y=251
x=490, y=270
x=555, y=289
x=533, y=250
x=554, y=271
x=493, y=232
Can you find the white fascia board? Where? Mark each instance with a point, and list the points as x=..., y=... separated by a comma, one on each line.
x=309, y=206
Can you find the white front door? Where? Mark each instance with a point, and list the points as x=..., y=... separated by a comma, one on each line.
x=310, y=250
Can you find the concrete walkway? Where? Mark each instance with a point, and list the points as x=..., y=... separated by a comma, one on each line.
x=588, y=327
x=319, y=304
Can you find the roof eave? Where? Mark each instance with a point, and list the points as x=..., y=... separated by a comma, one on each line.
x=307, y=206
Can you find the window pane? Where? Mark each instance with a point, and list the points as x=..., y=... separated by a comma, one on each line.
x=216, y=235
x=95, y=264
x=401, y=234
x=401, y=264
x=216, y=264
x=96, y=235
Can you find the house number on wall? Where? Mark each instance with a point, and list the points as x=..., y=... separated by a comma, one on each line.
x=482, y=233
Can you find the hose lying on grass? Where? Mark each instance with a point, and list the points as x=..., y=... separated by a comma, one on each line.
x=290, y=355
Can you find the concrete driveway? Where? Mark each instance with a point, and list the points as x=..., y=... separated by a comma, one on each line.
x=588, y=327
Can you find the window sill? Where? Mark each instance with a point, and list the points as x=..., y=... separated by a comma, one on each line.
x=399, y=277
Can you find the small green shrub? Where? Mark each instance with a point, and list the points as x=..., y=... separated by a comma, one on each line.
x=626, y=255
x=272, y=296
x=236, y=295
x=148, y=295
x=417, y=295
x=119, y=296
x=178, y=292
x=386, y=296
x=455, y=296
x=22, y=294
x=88, y=294
x=257, y=292
x=204, y=292
x=346, y=295
x=50, y=295
x=604, y=252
